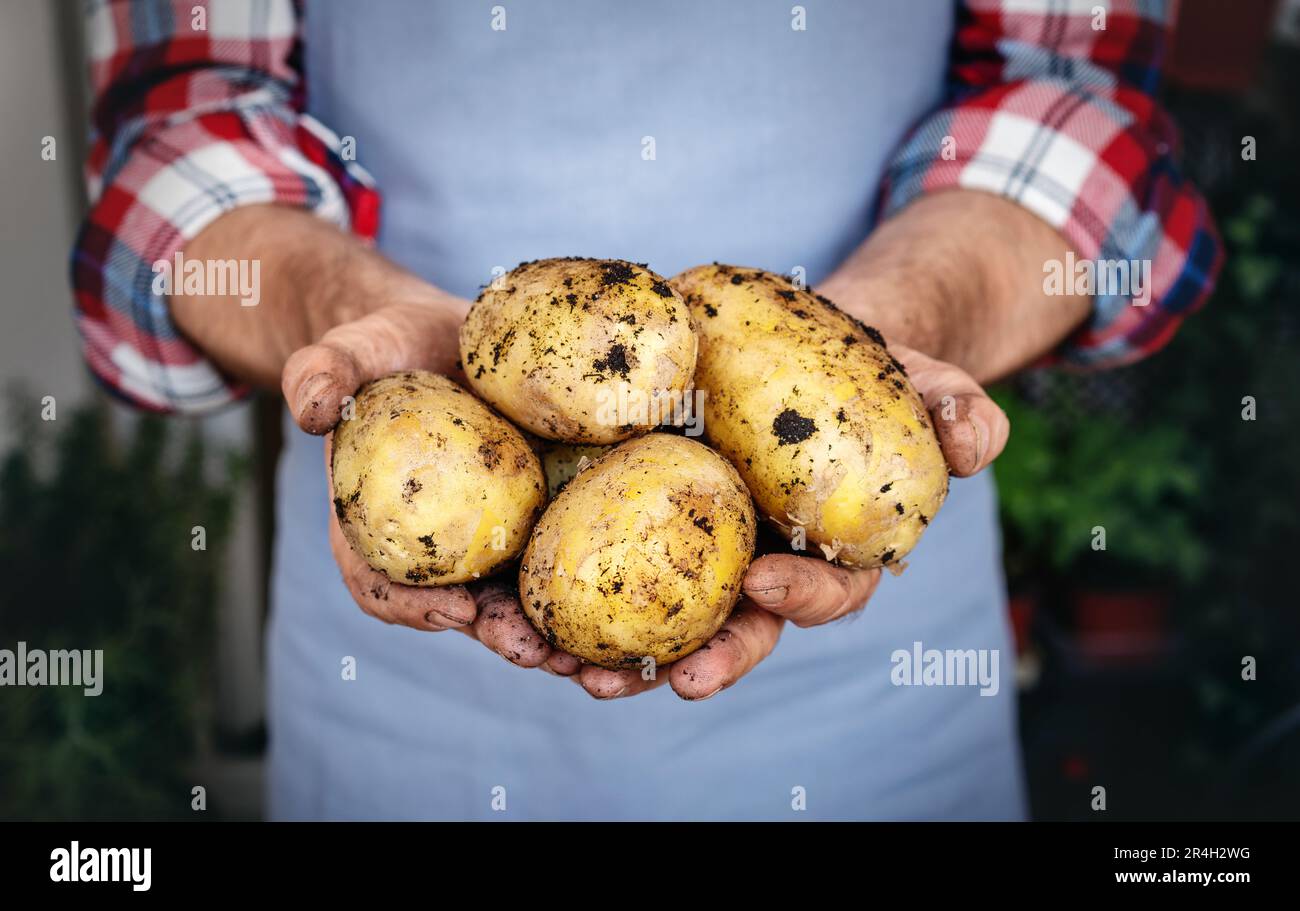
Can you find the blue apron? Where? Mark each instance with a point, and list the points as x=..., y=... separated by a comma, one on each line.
x=672, y=133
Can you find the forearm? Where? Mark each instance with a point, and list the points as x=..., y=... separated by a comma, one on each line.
x=313, y=278
x=959, y=276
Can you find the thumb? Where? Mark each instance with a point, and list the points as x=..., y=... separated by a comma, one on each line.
x=316, y=379
x=971, y=428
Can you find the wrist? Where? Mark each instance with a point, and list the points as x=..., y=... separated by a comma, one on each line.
x=917, y=292
x=340, y=280
x=958, y=276
x=916, y=279
x=908, y=307
x=314, y=277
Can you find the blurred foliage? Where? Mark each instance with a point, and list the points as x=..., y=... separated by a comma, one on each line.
x=1195, y=498
x=1060, y=480
x=1250, y=349
x=1159, y=453
x=95, y=542
x=1250, y=515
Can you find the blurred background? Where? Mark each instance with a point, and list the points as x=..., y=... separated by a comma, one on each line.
x=1130, y=663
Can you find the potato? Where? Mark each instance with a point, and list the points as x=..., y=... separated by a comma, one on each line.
x=580, y=350
x=641, y=555
x=820, y=420
x=430, y=486
x=562, y=461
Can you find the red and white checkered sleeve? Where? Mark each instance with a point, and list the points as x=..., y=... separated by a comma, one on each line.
x=197, y=110
x=1052, y=106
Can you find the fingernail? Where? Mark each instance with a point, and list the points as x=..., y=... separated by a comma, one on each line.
x=769, y=597
x=709, y=696
x=313, y=395
x=313, y=389
x=458, y=621
x=982, y=436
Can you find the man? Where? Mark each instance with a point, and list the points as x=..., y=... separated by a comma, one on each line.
x=921, y=163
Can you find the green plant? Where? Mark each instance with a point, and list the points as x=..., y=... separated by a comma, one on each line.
x=95, y=550
x=1058, y=480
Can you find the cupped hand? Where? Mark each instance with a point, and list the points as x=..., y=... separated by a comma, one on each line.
x=779, y=587
x=316, y=382
x=808, y=591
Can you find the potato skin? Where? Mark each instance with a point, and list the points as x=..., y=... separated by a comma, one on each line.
x=426, y=479
x=820, y=420
x=641, y=555
x=551, y=347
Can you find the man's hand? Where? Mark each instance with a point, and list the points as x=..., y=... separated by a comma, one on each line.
x=317, y=379
x=954, y=282
x=957, y=276
x=808, y=591
x=333, y=315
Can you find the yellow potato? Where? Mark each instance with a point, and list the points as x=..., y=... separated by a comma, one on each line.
x=820, y=420
x=580, y=350
x=641, y=555
x=430, y=486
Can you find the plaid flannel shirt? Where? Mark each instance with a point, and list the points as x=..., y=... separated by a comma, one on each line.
x=1043, y=109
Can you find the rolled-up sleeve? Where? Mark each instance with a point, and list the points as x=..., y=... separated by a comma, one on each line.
x=197, y=110
x=1052, y=105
